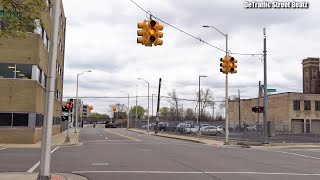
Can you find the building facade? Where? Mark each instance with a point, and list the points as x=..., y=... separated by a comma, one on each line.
x=311, y=75
x=24, y=66
x=296, y=112
x=86, y=111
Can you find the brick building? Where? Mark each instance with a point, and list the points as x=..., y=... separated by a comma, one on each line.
x=24, y=64
x=298, y=112
x=311, y=76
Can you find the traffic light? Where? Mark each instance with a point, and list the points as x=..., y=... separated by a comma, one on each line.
x=69, y=105
x=114, y=108
x=91, y=107
x=65, y=118
x=257, y=109
x=158, y=34
x=142, y=31
x=224, y=68
x=233, y=65
x=150, y=32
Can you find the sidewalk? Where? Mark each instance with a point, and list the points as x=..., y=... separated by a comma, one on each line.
x=34, y=176
x=242, y=144
x=57, y=140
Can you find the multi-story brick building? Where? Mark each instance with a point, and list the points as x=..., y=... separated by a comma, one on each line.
x=311, y=75
x=298, y=112
x=24, y=64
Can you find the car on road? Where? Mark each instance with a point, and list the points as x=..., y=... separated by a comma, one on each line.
x=212, y=130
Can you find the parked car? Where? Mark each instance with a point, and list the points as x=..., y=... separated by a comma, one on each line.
x=212, y=130
x=163, y=126
x=191, y=129
x=203, y=126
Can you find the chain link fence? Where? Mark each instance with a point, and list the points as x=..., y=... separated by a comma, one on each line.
x=295, y=132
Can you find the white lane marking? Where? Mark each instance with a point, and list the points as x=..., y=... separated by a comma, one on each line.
x=122, y=135
x=196, y=172
x=157, y=139
x=100, y=164
x=3, y=148
x=307, y=150
x=106, y=138
x=295, y=154
x=100, y=134
x=38, y=163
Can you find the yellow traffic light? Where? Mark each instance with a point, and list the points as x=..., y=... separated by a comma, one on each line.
x=233, y=65
x=142, y=32
x=224, y=65
x=158, y=34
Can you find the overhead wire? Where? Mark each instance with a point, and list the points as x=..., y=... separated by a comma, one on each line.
x=193, y=36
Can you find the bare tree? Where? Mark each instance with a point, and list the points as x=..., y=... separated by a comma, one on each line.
x=174, y=101
x=206, y=99
x=190, y=114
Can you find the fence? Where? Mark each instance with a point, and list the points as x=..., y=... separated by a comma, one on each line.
x=295, y=132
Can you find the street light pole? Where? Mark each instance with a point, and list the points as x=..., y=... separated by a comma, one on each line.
x=226, y=98
x=77, y=101
x=152, y=105
x=45, y=155
x=148, y=102
x=128, y=119
x=199, y=109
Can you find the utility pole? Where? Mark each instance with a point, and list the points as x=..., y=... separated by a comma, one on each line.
x=135, y=123
x=239, y=110
x=212, y=110
x=265, y=98
x=258, y=116
x=45, y=159
x=158, y=108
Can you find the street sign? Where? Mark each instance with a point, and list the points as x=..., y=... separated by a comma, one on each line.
x=271, y=90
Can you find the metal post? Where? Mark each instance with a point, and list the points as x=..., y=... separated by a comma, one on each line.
x=45, y=159
x=226, y=100
x=128, y=118
x=265, y=98
x=239, y=110
x=151, y=106
x=258, y=116
x=158, y=108
x=77, y=102
x=199, y=108
x=68, y=124
x=213, y=111
x=148, y=108
x=135, y=123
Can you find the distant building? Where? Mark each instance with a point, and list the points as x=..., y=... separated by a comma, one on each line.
x=24, y=69
x=86, y=111
x=311, y=75
x=298, y=112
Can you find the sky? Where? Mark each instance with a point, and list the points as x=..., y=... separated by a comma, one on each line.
x=101, y=37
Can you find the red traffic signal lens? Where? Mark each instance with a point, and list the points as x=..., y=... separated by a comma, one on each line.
x=153, y=23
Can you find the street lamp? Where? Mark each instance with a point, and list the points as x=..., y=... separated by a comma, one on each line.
x=148, y=101
x=226, y=98
x=128, y=110
x=77, y=100
x=199, y=116
x=152, y=105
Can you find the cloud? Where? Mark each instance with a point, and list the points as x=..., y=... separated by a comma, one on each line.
x=101, y=36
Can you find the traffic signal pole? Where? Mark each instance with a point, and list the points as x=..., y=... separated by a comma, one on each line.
x=68, y=124
x=45, y=155
x=226, y=100
x=265, y=98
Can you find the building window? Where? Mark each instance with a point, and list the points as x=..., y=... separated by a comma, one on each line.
x=39, y=120
x=307, y=105
x=296, y=105
x=20, y=71
x=14, y=119
x=317, y=105
x=5, y=119
x=314, y=73
x=7, y=70
x=20, y=119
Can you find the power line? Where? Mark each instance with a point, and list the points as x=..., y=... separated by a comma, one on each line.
x=197, y=38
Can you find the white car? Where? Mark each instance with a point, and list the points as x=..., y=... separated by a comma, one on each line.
x=212, y=130
x=191, y=129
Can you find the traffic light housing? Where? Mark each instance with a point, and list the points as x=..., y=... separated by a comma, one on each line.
x=142, y=31
x=233, y=65
x=158, y=34
x=257, y=109
x=149, y=32
x=224, y=65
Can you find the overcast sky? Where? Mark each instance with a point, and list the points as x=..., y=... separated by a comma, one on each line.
x=101, y=37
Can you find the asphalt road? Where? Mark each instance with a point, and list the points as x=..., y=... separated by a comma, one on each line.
x=121, y=154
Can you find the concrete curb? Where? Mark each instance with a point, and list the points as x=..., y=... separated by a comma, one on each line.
x=191, y=140
x=34, y=176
